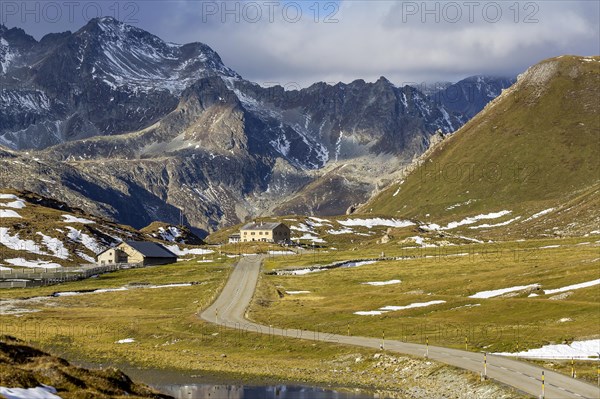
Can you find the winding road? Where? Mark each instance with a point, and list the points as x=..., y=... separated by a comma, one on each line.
x=229, y=310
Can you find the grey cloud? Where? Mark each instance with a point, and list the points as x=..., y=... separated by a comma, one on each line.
x=371, y=38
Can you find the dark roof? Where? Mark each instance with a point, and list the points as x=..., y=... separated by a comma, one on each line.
x=151, y=249
x=260, y=226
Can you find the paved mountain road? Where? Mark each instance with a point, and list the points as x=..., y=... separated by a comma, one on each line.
x=229, y=309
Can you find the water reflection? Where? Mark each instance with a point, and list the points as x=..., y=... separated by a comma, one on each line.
x=246, y=392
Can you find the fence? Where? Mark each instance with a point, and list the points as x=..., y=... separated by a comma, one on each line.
x=38, y=277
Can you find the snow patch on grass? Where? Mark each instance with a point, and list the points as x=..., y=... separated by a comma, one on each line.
x=380, y=283
x=303, y=228
x=344, y=230
x=537, y=215
x=341, y=265
x=572, y=287
x=171, y=233
x=466, y=221
x=487, y=226
x=187, y=251
x=319, y=220
x=9, y=213
x=471, y=239
x=301, y=272
x=18, y=204
x=370, y=313
x=495, y=293
x=386, y=309
x=33, y=263
x=55, y=246
x=412, y=305
x=576, y=349
x=73, y=219
x=310, y=237
x=88, y=241
x=369, y=223
x=17, y=244
x=86, y=257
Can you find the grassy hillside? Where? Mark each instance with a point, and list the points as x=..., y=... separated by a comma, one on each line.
x=36, y=231
x=533, y=148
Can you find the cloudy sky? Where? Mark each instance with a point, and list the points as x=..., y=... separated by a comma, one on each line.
x=297, y=43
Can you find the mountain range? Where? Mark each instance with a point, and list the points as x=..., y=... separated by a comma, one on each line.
x=122, y=124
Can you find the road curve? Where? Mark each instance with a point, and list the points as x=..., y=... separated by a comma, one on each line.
x=229, y=310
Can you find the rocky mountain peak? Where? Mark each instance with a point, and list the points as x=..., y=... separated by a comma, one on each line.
x=109, y=28
x=384, y=81
x=16, y=37
x=108, y=21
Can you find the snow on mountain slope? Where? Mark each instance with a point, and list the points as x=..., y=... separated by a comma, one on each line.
x=46, y=236
x=7, y=55
x=129, y=56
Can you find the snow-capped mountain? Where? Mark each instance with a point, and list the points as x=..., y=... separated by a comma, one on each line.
x=128, y=126
x=107, y=78
x=123, y=56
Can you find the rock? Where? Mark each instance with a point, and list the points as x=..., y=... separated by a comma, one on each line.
x=562, y=296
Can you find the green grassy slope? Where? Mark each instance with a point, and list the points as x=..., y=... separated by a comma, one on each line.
x=535, y=147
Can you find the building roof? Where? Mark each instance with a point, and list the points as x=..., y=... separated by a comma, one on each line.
x=260, y=226
x=151, y=249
